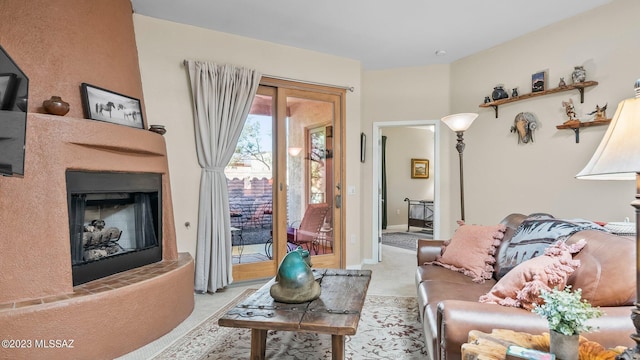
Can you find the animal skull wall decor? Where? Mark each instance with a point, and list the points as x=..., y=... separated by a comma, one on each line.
x=523, y=125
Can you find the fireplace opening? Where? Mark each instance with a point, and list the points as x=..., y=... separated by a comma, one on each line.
x=115, y=222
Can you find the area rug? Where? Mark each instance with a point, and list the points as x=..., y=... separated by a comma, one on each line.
x=405, y=240
x=388, y=329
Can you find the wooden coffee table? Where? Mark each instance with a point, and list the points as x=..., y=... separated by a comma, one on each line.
x=336, y=312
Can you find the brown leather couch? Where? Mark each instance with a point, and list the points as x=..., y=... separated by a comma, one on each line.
x=449, y=307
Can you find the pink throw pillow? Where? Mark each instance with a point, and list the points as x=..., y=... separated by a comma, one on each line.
x=471, y=249
x=521, y=286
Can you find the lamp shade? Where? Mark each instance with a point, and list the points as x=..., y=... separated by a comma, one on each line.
x=459, y=122
x=618, y=155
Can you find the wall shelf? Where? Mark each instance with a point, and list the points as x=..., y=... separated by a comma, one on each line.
x=578, y=86
x=579, y=124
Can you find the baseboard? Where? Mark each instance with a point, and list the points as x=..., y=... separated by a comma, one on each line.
x=397, y=227
x=370, y=261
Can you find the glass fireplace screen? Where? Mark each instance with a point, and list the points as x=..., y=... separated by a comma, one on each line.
x=115, y=222
x=110, y=224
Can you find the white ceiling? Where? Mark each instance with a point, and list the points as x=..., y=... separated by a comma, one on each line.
x=380, y=34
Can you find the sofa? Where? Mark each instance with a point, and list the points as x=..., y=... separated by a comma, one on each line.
x=449, y=305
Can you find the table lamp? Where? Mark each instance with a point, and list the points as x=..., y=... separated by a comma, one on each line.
x=618, y=158
x=460, y=123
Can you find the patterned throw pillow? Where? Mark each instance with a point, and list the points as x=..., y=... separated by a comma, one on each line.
x=533, y=236
x=471, y=251
x=521, y=286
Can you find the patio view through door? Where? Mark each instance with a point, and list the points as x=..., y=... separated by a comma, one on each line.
x=285, y=177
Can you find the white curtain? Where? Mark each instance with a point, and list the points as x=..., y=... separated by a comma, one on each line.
x=222, y=97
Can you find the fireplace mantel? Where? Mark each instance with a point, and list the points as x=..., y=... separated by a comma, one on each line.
x=34, y=241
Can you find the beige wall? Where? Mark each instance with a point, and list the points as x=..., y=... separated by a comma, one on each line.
x=403, y=144
x=502, y=176
x=162, y=47
x=402, y=95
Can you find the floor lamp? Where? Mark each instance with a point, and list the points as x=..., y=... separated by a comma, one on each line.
x=460, y=123
x=618, y=158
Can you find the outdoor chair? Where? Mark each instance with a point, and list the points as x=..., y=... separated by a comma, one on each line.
x=308, y=233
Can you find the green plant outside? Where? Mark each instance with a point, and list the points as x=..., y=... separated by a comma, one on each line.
x=566, y=311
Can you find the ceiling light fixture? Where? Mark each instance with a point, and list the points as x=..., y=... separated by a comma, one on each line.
x=441, y=52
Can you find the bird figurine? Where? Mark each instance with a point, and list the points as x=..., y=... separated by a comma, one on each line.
x=600, y=112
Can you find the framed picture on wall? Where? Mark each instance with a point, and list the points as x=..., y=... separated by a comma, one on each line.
x=419, y=168
x=105, y=105
x=539, y=81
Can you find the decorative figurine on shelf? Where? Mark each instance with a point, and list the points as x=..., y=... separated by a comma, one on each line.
x=499, y=93
x=600, y=112
x=579, y=74
x=571, y=113
x=487, y=100
x=562, y=83
x=295, y=282
x=524, y=124
x=514, y=92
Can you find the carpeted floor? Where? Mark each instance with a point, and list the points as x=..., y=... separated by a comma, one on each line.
x=404, y=240
x=388, y=329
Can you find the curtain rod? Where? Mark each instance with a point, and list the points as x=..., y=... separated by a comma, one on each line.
x=348, y=88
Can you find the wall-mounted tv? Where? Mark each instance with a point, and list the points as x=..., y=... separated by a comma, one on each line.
x=14, y=93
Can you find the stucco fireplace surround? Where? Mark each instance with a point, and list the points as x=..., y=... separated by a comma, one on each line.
x=104, y=318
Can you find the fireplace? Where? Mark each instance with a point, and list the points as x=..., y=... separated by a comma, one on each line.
x=114, y=221
x=110, y=164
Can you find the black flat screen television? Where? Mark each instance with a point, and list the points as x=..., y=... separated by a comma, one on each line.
x=14, y=93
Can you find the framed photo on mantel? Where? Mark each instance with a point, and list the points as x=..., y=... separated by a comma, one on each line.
x=105, y=105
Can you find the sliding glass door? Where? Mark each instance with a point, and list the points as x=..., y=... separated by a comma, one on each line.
x=313, y=198
x=285, y=179
x=250, y=176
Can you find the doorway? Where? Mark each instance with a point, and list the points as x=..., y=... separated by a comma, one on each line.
x=378, y=129
x=285, y=187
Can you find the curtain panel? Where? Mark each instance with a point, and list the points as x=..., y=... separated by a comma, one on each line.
x=222, y=95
